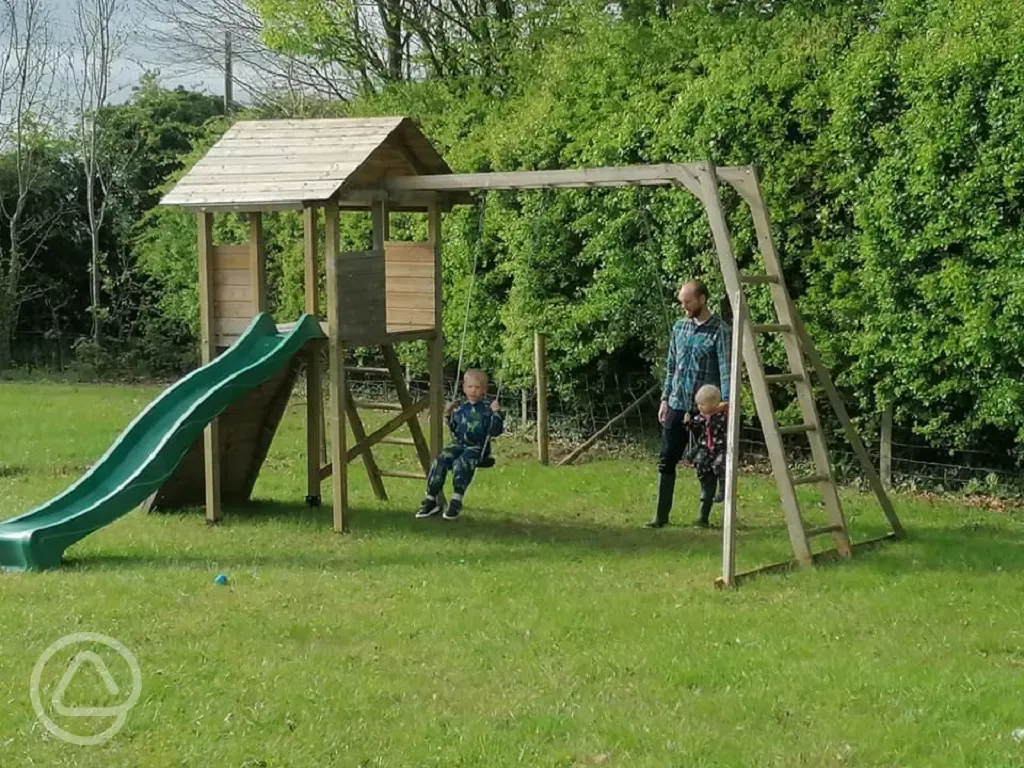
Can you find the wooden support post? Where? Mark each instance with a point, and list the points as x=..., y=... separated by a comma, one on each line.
x=316, y=433
x=524, y=406
x=257, y=263
x=381, y=221
x=437, y=343
x=540, y=365
x=885, y=450
x=211, y=435
x=323, y=411
x=597, y=435
x=339, y=385
x=732, y=443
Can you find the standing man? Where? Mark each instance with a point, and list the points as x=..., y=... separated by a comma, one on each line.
x=698, y=354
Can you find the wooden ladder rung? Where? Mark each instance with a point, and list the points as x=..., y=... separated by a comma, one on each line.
x=809, y=479
x=823, y=530
x=403, y=475
x=377, y=406
x=784, y=378
x=363, y=369
x=759, y=279
x=398, y=441
x=797, y=429
x=772, y=328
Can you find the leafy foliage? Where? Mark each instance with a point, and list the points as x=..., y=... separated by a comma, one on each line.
x=889, y=136
x=891, y=163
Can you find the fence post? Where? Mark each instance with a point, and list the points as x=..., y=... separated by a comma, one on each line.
x=541, y=374
x=885, y=450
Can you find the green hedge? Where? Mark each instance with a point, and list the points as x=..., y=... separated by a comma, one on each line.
x=890, y=138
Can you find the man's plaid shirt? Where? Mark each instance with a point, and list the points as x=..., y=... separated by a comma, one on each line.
x=698, y=354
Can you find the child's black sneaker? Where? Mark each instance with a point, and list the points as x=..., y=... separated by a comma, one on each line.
x=453, y=510
x=428, y=508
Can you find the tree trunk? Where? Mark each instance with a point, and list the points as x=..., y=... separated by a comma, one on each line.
x=10, y=286
x=94, y=287
x=8, y=311
x=392, y=17
x=6, y=357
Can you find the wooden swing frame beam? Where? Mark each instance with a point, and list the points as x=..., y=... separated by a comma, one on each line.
x=451, y=188
x=664, y=175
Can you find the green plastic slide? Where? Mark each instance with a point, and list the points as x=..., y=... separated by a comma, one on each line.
x=151, y=447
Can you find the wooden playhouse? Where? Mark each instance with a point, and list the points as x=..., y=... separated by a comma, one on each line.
x=380, y=297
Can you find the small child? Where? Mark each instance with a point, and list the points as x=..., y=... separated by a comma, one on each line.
x=472, y=424
x=710, y=429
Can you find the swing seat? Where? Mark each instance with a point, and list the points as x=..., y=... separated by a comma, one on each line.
x=486, y=460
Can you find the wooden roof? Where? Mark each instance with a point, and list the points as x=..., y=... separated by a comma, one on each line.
x=261, y=165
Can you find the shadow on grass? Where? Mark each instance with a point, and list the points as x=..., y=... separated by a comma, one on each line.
x=514, y=539
x=970, y=547
x=486, y=524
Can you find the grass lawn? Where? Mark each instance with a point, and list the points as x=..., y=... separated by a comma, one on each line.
x=546, y=628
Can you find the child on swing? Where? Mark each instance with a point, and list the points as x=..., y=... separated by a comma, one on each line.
x=709, y=428
x=473, y=423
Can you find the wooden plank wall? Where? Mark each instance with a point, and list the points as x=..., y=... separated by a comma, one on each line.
x=361, y=294
x=234, y=295
x=409, y=278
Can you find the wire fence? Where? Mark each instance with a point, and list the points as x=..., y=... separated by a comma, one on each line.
x=915, y=467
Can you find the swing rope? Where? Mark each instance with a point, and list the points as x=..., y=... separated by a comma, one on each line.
x=469, y=292
x=485, y=461
x=666, y=313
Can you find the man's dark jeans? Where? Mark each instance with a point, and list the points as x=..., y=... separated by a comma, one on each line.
x=675, y=439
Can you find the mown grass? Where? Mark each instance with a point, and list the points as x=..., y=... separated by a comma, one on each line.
x=546, y=628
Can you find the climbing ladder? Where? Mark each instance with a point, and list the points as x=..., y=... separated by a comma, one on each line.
x=407, y=412
x=799, y=352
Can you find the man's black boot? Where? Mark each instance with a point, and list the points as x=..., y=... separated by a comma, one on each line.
x=666, y=487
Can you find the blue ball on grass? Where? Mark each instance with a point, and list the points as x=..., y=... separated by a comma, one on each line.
x=221, y=579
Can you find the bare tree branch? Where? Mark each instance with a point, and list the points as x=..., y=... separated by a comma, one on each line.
x=101, y=36
x=193, y=30
x=29, y=108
